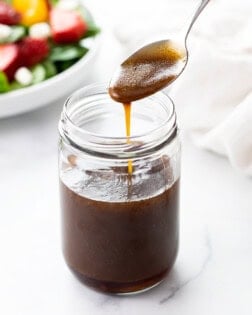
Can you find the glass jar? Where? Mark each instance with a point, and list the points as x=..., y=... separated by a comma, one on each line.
x=120, y=228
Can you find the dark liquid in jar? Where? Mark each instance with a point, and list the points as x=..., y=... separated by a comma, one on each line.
x=120, y=246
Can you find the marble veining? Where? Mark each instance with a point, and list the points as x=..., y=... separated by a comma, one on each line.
x=176, y=287
x=212, y=275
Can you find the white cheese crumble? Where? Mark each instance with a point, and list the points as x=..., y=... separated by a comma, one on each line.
x=40, y=30
x=23, y=76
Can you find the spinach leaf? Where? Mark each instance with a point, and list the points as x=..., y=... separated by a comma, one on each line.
x=54, y=2
x=4, y=83
x=18, y=32
x=92, y=31
x=63, y=65
x=50, y=68
x=38, y=73
x=15, y=86
x=67, y=52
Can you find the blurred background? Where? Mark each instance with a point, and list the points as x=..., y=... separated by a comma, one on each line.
x=214, y=106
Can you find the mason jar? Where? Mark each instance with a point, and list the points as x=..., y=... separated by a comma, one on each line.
x=119, y=195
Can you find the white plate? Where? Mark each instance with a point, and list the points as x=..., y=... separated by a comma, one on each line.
x=46, y=92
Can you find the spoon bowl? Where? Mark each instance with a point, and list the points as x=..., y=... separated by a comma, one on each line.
x=148, y=70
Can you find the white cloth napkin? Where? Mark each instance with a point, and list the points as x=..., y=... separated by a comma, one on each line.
x=214, y=95
x=214, y=103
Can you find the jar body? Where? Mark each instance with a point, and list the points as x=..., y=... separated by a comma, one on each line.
x=120, y=229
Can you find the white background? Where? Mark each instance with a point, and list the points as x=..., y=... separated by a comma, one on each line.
x=212, y=274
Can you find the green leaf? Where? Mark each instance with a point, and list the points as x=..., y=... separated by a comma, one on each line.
x=67, y=52
x=15, y=86
x=4, y=83
x=63, y=65
x=18, y=32
x=92, y=31
x=54, y=2
x=38, y=73
x=50, y=68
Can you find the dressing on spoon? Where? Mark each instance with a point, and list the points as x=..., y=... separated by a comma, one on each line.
x=147, y=71
x=151, y=68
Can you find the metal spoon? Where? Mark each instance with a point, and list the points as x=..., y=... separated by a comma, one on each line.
x=151, y=68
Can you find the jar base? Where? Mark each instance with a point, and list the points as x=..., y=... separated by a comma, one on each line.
x=121, y=288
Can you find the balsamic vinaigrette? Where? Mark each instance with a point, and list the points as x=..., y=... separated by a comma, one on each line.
x=127, y=115
x=119, y=244
x=144, y=73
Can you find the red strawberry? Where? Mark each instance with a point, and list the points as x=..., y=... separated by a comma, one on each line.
x=8, y=15
x=67, y=26
x=33, y=50
x=9, y=59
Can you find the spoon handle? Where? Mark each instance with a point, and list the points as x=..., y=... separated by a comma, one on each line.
x=196, y=15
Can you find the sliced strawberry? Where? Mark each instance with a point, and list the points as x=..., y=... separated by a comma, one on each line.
x=8, y=15
x=67, y=26
x=32, y=51
x=9, y=59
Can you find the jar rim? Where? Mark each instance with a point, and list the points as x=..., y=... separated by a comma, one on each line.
x=68, y=128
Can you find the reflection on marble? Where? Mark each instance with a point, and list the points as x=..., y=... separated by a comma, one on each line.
x=179, y=277
x=212, y=274
x=173, y=281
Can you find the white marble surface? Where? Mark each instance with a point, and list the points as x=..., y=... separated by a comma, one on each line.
x=212, y=275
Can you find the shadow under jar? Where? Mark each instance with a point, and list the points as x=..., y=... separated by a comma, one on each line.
x=120, y=229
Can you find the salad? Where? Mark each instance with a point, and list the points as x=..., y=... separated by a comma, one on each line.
x=41, y=38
